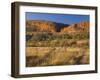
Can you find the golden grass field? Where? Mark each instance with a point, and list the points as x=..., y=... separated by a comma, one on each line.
x=46, y=56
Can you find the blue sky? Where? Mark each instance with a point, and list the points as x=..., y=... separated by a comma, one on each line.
x=60, y=18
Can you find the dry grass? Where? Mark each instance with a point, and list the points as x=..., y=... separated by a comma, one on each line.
x=50, y=56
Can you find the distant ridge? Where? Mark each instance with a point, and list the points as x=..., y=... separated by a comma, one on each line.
x=49, y=26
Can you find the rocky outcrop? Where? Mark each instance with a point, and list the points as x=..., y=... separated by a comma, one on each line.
x=49, y=26
x=41, y=25
x=37, y=25
x=77, y=27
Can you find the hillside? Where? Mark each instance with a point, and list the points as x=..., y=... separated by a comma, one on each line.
x=47, y=26
x=78, y=27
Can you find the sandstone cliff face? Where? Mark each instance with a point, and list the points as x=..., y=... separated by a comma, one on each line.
x=41, y=25
x=84, y=24
x=78, y=27
x=48, y=26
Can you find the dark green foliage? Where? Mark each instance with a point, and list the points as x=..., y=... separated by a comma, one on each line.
x=79, y=36
x=49, y=39
x=44, y=36
x=32, y=29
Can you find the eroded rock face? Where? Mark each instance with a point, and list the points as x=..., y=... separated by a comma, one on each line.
x=78, y=27
x=40, y=25
x=48, y=26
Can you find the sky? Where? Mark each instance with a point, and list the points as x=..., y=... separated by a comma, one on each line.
x=60, y=18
